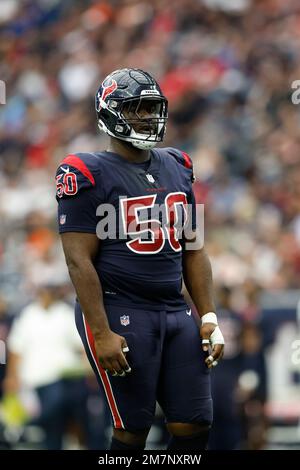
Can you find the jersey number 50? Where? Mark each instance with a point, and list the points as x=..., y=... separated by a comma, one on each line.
x=66, y=183
x=159, y=232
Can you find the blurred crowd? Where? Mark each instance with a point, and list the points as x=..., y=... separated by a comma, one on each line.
x=227, y=68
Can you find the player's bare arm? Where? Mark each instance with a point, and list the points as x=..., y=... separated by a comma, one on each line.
x=198, y=280
x=80, y=250
x=129, y=287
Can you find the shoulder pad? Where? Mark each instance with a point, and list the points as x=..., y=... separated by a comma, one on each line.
x=183, y=158
x=73, y=175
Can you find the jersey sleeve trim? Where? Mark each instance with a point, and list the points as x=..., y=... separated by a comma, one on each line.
x=76, y=228
x=77, y=163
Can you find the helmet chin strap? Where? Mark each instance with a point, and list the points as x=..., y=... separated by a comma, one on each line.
x=143, y=144
x=137, y=141
x=139, y=144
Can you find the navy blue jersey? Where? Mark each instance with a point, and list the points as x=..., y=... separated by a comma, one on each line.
x=142, y=265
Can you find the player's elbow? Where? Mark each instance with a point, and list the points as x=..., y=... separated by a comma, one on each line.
x=78, y=271
x=191, y=255
x=75, y=265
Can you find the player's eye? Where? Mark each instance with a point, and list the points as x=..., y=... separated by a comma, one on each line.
x=129, y=109
x=149, y=108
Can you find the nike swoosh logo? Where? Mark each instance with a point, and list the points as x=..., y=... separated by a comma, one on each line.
x=189, y=312
x=66, y=170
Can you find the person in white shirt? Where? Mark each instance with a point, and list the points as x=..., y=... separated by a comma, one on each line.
x=46, y=355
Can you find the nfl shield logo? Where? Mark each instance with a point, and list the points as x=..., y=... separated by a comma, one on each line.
x=125, y=320
x=62, y=219
x=150, y=178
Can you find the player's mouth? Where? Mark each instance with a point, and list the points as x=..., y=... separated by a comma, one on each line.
x=145, y=129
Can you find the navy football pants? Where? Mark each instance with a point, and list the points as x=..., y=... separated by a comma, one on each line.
x=167, y=363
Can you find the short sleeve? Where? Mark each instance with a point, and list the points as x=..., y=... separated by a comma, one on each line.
x=186, y=162
x=77, y=195
x=78, y=214
x=184, y=159
x=16, y=340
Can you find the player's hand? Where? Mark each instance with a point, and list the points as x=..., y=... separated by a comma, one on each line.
x=213, y=343
x=111, y=350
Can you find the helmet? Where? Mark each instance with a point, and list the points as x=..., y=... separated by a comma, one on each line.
x=130, y=106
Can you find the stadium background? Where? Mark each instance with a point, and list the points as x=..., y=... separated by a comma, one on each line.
x=226, y=67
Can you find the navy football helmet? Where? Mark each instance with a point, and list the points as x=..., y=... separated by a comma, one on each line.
x=131, y=106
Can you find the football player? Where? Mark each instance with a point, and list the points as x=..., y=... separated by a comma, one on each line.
x=138, y=332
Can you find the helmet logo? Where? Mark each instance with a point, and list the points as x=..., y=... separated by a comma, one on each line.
x=108, y=90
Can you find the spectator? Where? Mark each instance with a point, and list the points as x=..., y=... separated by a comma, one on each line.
x=226, y=433
x=45, y=355
x=5, y=324
x=251, y=389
